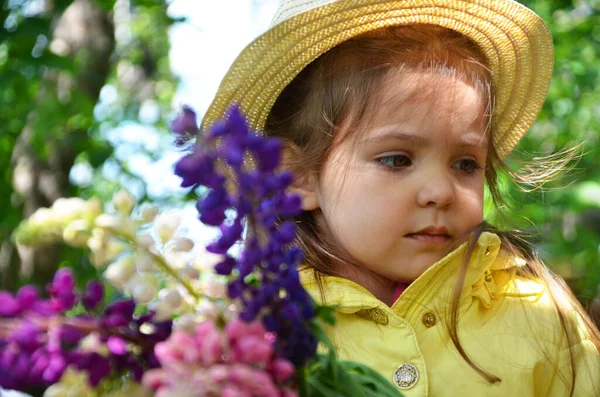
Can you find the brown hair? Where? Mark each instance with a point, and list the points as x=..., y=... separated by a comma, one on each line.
x=334, y=93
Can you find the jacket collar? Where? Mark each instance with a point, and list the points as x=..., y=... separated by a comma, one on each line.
x=487, y=278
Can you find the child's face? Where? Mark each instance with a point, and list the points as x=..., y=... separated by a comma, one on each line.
x=407, y=190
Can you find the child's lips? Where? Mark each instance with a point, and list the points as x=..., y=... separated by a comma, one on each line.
x=431, y=236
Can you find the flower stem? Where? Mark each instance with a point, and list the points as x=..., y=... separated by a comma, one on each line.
x=302, y=381
x=168, y=269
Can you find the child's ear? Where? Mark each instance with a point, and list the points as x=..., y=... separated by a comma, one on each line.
x=305, y=184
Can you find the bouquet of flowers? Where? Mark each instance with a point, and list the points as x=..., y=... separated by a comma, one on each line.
x=170, y=319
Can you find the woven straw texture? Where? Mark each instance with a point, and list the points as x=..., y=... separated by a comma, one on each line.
x=516, y=42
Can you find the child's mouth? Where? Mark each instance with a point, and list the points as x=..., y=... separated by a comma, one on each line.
x=431, y=236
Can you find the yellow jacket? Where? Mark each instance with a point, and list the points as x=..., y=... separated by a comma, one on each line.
x=507, y=325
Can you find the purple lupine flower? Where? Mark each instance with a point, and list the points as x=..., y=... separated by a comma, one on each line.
x=27, y=296
x=9, y=306
x=38, y=343
x=62, y=289
x=185, y=126
x=279, y=300
x=94, y=293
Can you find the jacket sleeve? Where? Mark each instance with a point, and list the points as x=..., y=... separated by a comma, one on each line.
x=576, y=369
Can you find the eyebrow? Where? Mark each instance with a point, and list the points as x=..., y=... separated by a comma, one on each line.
x=419, y=140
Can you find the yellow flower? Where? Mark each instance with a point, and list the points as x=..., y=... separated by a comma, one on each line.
x=73, y=383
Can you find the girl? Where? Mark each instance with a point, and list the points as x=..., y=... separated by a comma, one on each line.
x=395, y=114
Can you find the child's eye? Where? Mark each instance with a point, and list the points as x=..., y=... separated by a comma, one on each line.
x=395, y=161
x=468, y=166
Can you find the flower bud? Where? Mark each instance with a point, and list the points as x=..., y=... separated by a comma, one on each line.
x=69, y=208
x=108, y=221
x=166, y=225
x=145, y=240
x=148, y=212
x=171, y=297
x=142, y=288
x=119, y=272
x=93, y=208
x=119, y=224
x=182, y=244
x=123, y=202
x=208, y=310
x=144, y=261
x=176, y=259
x=205, y=260
x=189, y=272
x=77, y=233
x=114, y=248
x=42, y=216
x=186, y=323
x=98, y=239
x=162, y=311
x=215, y=287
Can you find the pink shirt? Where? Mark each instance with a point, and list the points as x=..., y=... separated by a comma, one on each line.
x=400, y=288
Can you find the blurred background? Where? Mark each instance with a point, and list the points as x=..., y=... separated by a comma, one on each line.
x=89, y=87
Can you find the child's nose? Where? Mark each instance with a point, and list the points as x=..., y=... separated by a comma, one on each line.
x=436, y=190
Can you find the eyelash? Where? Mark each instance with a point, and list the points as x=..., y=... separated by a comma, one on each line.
x=474, y=165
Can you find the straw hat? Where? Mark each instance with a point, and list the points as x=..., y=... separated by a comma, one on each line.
x=516, y=42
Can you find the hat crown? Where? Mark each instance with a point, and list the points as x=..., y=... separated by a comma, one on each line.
x=291, y=8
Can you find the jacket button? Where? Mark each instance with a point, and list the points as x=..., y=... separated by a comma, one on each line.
x=429, y=319
x=405, y=376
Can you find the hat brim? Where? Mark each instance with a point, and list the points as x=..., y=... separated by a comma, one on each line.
x=516, y=42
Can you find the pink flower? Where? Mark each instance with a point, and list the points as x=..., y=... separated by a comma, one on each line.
x=254, y=350
x=235, y=329
x=177, y=349
x=232, y=391
x=238, y=361
x=211, y=349
x=282, y=369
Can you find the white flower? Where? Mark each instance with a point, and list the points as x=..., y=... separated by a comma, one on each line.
x=41, y=216
x=232, y=311
x=182, y=244
x=123, y=202
x=186, y=323
x=97, y=243
x=119, y=224
x=171, y=297
x=119, y=272
x=162, y=311
x=69, y=208
x=77, y=233
x=144, y=261
x=167, y=224
x=215, y=287
x=114, y=248
x=93, y=208
x=109, y=221
x=208, y=310
x=145, y=240
x=142, y=288
x=176, y=259
x=189, y=272
x=205, y=260
x=12, y=393
x=148, y=212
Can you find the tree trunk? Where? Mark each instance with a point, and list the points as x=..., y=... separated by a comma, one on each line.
x=83, y=33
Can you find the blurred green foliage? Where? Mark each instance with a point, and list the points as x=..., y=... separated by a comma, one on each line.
x=57, y=60
x=565, y=214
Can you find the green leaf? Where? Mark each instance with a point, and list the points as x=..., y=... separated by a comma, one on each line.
x=326, y=313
